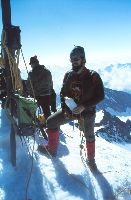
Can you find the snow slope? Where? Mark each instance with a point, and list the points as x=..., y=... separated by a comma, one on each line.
x=64, y=177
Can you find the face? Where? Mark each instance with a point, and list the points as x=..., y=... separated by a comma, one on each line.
x=33, y=65
x=77, y=62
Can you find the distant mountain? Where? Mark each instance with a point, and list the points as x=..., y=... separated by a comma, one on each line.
x=116, y=103
x=113, y=129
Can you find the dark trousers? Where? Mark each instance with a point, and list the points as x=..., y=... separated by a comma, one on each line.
x=87, y=123
x=53, y=101
x=44, y=102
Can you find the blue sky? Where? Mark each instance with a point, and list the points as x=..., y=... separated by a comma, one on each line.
x=50, y=29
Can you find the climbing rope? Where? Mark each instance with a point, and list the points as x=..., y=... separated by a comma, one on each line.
x=13, y=63
x=83, y=151
x=30, y=173
x=28, y=75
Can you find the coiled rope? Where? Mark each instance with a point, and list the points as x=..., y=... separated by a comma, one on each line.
x=13, y=64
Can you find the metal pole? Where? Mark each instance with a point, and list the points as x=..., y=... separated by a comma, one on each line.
x=6, y=19
x=6, y=13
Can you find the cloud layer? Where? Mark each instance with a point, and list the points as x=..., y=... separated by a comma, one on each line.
x=117, y=77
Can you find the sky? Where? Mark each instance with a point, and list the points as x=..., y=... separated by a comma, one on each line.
x=51, y=28
x=64, y=177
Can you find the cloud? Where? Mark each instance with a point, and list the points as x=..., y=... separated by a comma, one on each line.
x=103, y=58
x=118, y=78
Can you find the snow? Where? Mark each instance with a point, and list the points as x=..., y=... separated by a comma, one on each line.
x=99, y=116
x=124, y=119
x=64, y=177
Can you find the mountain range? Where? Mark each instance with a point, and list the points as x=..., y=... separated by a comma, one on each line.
x=115, y=106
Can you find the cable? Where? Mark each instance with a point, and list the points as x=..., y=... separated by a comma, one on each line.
x=30, y=173
x=28, y=75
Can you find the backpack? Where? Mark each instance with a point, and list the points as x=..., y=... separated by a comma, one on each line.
x=23, y=114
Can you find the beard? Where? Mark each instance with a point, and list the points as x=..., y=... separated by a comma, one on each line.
x=76, y=68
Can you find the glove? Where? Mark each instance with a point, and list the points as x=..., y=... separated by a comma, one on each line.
x=78, y=110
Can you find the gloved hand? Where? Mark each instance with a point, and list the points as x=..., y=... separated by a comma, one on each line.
x=78, y=110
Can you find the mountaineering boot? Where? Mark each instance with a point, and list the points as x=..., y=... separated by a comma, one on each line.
x=52, y=145
x=91, y=155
